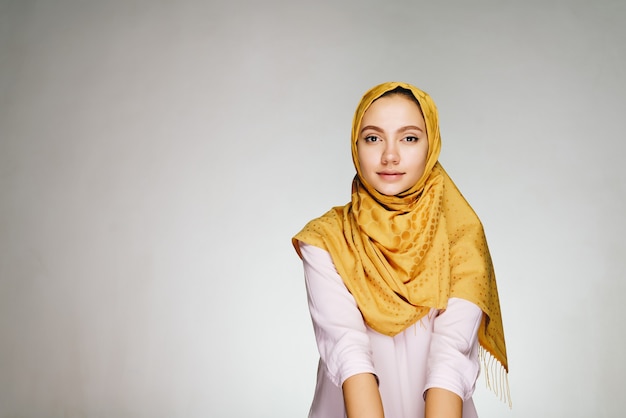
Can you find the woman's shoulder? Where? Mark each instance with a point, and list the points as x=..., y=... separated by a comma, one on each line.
x=318, y=230
x=332, y=218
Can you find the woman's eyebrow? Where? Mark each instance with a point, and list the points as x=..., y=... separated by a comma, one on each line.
x=403, y=129
x=371, y=127
x=409, y=128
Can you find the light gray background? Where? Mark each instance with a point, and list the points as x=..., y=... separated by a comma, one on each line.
x=157, y=157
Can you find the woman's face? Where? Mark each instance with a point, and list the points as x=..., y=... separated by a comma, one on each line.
x=392, y=145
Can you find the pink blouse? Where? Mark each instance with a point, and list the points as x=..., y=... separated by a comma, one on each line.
x=440, y=350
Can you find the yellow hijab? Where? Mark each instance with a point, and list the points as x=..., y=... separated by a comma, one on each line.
x=400, y=256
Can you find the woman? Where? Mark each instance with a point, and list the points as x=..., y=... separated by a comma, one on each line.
x=400, y=283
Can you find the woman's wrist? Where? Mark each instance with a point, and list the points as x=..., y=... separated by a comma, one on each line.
x=361, y=396
x=441, y=403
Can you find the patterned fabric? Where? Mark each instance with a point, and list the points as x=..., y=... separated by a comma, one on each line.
x=401, y=255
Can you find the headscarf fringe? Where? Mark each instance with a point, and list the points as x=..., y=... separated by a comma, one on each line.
x=496, y=376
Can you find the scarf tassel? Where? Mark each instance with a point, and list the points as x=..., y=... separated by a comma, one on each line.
x=496, y=376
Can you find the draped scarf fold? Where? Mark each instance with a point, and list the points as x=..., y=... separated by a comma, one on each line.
x=400, y=256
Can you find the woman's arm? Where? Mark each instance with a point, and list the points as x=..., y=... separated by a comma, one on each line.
x=341, y=335
x=361, y=396
x=453, y=364
x=441, y=403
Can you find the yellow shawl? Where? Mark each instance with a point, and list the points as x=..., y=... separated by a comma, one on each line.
x=400, y=256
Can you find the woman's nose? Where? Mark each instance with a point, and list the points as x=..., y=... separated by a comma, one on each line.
x=390, y=154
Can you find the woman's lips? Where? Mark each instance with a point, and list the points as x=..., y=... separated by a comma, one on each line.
x=390, y=175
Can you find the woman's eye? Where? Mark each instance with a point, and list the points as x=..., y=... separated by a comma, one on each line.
x=371, y=138
x=411, y=139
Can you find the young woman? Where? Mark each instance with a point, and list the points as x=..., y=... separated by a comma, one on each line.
x=400, y=283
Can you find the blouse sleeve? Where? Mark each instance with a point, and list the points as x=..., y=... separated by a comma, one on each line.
x=453, y=360
x=340, y=332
